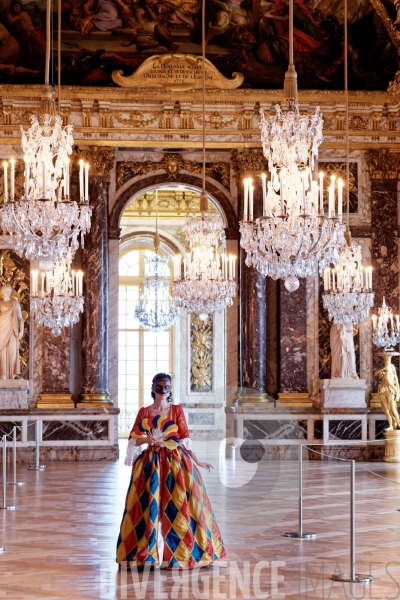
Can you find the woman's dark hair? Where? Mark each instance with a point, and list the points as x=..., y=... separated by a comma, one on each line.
x=160, y=377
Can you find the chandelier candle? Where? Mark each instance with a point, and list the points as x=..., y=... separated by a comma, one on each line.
x=5, y=167
x=12, y=176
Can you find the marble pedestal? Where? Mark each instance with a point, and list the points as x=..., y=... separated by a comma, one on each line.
x=14, y=393
x=392, y=445
x=343, y=393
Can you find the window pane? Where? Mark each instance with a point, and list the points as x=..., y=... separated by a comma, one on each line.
x=149, y=367
x=132, y=367
x=132, y=382
x=149, y=353
x=129, y=264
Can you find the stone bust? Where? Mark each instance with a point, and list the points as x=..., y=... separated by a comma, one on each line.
x=11, y=331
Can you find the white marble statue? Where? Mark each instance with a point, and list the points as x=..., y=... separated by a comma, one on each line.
x=342, y=349
x=11, y=331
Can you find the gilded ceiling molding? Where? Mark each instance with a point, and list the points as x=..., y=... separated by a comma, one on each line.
x=100, y=159
x=383, y=164
x=248, y=162
x=388, y=23
x=173, y=164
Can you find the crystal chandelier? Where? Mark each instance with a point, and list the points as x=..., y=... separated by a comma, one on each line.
x=294, y=233
x=384, y=335
x=56, y=296
x=46, y=223
x=207, y=282
x=156, y=310
x=348, y=294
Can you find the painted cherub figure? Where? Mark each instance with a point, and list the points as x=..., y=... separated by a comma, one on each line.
x=389, y=392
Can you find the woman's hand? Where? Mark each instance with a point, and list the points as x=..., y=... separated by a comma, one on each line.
x=205, y=465
x=152, y=441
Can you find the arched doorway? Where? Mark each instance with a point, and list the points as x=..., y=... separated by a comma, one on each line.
x=137, y=217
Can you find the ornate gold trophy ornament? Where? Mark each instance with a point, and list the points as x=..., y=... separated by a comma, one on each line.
x=388, y=395
x=178, y=72
x=201, y=344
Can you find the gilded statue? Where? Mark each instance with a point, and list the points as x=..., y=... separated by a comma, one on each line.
x=389, y=390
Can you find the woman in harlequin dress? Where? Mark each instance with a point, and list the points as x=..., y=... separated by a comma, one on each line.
x=168, y=518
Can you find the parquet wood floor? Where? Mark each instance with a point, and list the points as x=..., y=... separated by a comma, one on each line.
x=60, y=542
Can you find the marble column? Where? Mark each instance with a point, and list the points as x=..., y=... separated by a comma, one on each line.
x=383, y=170
x=55, y=383
x=254, y=328
x=95, y=266
x=293, y=339
x=254, y=317
x=255, y=353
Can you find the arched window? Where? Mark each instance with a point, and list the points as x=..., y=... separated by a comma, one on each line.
x=141, y=354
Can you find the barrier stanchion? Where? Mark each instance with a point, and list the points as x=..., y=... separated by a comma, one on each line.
x=38, y=466
x=353, y=577
x=5, y=507
x=14, y=481
x=300, y=533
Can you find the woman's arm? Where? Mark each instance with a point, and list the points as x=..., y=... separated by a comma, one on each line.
x=184, y=435
x=198, y=462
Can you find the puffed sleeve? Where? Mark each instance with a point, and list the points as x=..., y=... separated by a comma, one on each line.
x=133, y=451
x=185, y=440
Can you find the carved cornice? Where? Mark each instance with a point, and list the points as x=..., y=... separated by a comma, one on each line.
x=100, y=159
x=383, y=164
x=248, y=162
x=172, y=164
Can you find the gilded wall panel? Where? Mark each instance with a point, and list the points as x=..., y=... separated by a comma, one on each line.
x=201, y=354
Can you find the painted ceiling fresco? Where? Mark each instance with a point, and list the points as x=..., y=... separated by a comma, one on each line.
x=251, y=37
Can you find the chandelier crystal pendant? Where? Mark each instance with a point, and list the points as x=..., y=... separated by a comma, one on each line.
x=57, y=296
x=207, y=282
x=385, y=332
x=46, y=224
x=348, y=295
x=294, y=233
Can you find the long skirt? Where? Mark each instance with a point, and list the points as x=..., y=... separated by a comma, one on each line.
x=166, y=489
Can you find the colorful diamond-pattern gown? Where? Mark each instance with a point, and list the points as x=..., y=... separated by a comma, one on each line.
x=166, y=487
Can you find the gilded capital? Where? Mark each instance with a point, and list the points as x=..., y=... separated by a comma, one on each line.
x=100, y=159
x=248, y=162
x=383, y=164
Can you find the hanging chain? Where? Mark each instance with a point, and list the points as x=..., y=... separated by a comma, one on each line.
x=346, y=93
